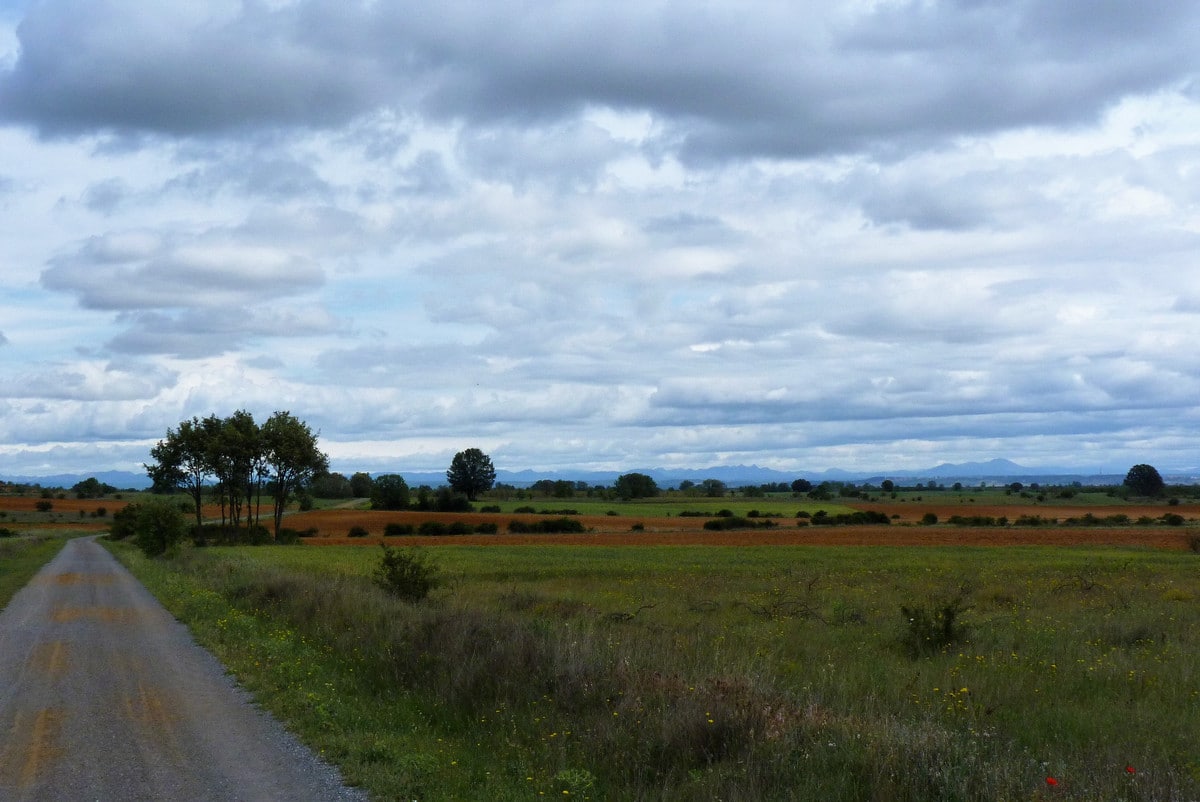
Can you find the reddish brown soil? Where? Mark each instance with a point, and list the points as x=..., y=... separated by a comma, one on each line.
x=616, y=531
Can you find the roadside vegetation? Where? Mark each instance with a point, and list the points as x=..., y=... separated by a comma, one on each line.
x=23, y=555
x=698, y=673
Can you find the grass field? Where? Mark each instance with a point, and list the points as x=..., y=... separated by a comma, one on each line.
x=21, y=557
x=699, y=673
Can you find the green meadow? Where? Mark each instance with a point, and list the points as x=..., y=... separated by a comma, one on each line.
x=702, y=673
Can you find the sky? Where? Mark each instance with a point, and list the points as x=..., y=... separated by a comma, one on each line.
x=868, y=234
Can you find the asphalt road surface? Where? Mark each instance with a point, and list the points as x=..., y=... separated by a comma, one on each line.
x=104, y=696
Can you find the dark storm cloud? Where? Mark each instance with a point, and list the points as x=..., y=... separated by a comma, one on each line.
x=776, y=79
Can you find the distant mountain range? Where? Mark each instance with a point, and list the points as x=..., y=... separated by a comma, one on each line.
x=996, y=471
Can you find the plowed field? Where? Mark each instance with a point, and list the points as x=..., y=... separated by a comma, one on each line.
x=332, y=525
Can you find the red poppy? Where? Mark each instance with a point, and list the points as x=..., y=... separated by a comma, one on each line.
x=1051, y=781
x=1130, y=770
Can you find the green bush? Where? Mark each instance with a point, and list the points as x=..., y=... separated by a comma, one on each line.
x=928, y=632
x=548, y=526
x=157, y=526
x=357, y=531
x=435, y=528
x=488, y=528
x=397, y=530
x=407, y=575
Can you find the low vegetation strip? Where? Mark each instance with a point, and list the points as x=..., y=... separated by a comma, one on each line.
x=702, y=673
x=21, y=556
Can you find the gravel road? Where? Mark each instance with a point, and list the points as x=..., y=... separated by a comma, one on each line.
x=104, y=696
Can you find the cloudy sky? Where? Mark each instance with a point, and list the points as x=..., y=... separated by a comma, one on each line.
x=618, y=235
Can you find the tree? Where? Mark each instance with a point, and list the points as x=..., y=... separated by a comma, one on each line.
x=182, y=461
x=389, y=492
x=361, y=484
x=290, y=451
x=801, y=486
x=635, y=485
x=471, y=473
x=887, y=485
x=1144, y=480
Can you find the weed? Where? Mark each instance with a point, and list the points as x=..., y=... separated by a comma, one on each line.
x=928, y=632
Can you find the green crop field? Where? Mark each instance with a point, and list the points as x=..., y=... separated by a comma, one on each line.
x=700, y=673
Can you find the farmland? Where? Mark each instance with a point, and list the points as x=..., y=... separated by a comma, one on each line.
x=647, y=657
x=672, y=662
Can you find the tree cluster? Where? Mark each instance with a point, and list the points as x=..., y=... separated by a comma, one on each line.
x=239, y=461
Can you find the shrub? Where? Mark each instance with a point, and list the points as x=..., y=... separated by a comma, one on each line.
x=357, y=531
x=528, y=509
x=44, y=506
x=929, y=518
x=6, y=532
x=488, y=528
x=1172, y=519
x=432, y=528
x=397, y=530
x=407, y=575
x=460, y=528
x=927, y=632
x=737, y=522
x=548, y=526
x=288, y=536
x=490, y=508
x=157, y=527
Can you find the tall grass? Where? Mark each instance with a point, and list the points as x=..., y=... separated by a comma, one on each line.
x=713, y=673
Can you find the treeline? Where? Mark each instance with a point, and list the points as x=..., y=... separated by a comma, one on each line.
x=238, y=462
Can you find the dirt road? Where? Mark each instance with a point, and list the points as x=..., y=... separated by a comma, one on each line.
x=104, y=696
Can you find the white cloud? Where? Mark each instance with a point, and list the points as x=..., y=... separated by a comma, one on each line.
x=631, y=235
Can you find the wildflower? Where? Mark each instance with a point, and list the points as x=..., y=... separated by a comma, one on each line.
x=1130, y=770
x=1050, y=781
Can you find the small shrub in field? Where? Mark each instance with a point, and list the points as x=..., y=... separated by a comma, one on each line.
x=1172, y=519
x=929, y=518
x=6, y=532
x=928, y=632
x=638, y=528
x=357, y=531
x=44, y=506
x=436, y=528
x=397, y=530
x=460, y=528
x=525, y=509
x=488, y=528
x=407, y=575
x=548, y=526
x=290, y=537
x=490, y=508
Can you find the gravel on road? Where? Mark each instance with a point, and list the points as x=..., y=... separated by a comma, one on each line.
x=104, y=696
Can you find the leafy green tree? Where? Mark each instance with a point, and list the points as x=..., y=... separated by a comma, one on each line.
x=290, y=452
x=1144, y=480
x=635, y=485
x=183, y=461
x=331, y=485
x=389, y=492
x=471, y=473
x=361, y=484
x=801, y=486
